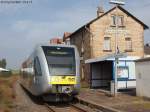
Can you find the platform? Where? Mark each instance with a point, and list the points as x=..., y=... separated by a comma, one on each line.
x=124, y=102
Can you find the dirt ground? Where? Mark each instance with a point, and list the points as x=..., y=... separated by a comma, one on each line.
x=7, y=95
x=24, y=102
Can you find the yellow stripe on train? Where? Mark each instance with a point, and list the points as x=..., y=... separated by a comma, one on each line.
x=63, y=80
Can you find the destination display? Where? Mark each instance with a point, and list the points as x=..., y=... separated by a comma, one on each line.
x=49, y=53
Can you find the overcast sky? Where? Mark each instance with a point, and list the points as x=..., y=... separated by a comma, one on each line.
x=22, y=26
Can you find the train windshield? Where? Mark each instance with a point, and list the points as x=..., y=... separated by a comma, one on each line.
x=61, y=60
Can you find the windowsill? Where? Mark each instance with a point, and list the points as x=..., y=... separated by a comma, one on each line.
x=128, y=50
x=107, y=50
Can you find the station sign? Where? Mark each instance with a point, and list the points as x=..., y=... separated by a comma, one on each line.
x=119, y=2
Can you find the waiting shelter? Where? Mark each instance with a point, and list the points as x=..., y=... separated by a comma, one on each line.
x=103, y=72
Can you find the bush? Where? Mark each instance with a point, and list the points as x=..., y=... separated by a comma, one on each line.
x=7, y=93
x=5, y=74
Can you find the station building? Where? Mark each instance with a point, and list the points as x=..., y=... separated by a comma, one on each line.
x=96, y=44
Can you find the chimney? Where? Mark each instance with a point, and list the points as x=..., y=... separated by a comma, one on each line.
x=56, y=40
x=100, y=11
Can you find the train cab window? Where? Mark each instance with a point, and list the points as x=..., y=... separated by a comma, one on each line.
x=37, y=67
x=61, y=60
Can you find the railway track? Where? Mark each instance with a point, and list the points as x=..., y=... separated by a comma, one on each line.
x=49, y=108
x=70, y=108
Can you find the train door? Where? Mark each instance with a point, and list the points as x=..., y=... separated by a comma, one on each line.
x=38, y=74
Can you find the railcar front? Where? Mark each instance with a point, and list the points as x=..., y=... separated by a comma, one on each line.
x=63, y=65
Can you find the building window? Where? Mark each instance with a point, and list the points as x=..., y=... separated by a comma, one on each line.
x=120, y=20
x=107, y=43
x=128, y=44
x=113, y=20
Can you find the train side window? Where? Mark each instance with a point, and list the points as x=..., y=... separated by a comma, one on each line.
x=37, y=67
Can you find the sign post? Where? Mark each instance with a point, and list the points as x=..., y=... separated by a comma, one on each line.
x=116, y=2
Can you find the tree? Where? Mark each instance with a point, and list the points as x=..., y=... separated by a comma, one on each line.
x=3, y=63
x=0, y=63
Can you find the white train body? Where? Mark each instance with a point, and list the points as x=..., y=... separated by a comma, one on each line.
x=52, y=71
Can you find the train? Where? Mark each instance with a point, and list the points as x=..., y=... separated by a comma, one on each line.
x=52, y=72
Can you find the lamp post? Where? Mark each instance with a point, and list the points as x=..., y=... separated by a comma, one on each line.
x=116, y=2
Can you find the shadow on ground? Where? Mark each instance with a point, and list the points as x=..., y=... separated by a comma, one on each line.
x=131, y=92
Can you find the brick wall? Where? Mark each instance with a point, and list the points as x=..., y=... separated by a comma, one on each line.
x=82, y=41
x=132, y=29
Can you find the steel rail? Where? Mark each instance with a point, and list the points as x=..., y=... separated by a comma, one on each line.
x=72, y=106
x=78, y=108
x=49, y=107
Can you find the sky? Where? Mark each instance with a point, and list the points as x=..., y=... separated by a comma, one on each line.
x=23, y=25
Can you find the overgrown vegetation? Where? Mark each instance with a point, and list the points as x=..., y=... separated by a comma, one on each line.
x=7, y=92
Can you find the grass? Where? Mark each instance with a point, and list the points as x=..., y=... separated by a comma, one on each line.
x=7, y=93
